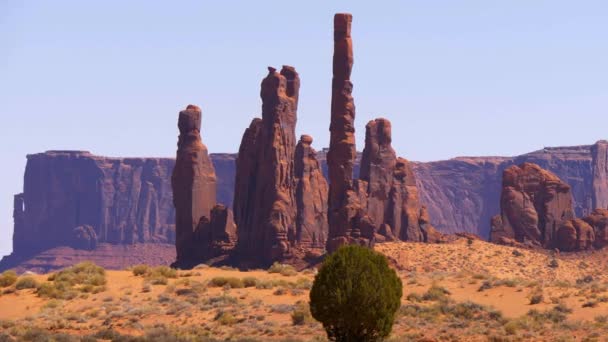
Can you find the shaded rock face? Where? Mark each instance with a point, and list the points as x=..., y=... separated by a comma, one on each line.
x=598, y=219
x=194, y=185
x=125, y=201
x=348, y=221
x=264, y=203
x=377, y=169
x=534, y=204
x=84, y=237
x=311, y=197
x=214, y=236
x=573, y=235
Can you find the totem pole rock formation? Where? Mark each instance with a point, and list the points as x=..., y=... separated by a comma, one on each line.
x=264, y=204
x=194, y=185
x=348, y=222
x=311, y=197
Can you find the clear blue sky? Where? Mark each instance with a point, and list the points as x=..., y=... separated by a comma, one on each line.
x=454, y=77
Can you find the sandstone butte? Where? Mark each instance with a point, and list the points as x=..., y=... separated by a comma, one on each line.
x=537, y=210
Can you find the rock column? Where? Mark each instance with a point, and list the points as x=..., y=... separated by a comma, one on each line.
x=194, y=185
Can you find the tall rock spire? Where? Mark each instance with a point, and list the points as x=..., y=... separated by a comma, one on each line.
x=348, y=222
x=194, y=185
x=264, y=204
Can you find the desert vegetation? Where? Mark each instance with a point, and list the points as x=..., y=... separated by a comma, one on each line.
x=453, y=291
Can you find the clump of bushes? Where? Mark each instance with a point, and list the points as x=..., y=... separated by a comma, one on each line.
x=301, y=313
x=414, y=297
x=355, y=295
x=536, y=297
x=461, y=311
x=517, y=253
x=553, y=263
x=140, y=270
x=26, y=282
x=488, y=284
x=229, y=282
x=225, y=318
x=286, y=270
x=436, y=293
x=8, y=278
x=159, y=275
x=85, y=277
x=250, y=282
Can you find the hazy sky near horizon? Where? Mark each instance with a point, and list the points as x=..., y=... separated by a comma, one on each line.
x=454, y=77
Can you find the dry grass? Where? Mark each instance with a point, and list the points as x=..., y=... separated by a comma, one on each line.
x=477, y=292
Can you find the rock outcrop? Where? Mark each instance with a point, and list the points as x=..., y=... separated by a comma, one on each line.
x=348, y=220
x=311, y=197
x=392, y=194
x=574, y=235
x=214, y=237
x=537, y=210
x=84, y=237
x=264, y=204
x=534, y=204
x=598, y=219
x=463, y=194
x=194, y=184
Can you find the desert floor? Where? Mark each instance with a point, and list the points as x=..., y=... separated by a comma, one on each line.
x=466, y=290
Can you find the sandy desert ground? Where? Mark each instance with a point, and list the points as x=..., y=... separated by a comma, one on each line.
x=466, y=290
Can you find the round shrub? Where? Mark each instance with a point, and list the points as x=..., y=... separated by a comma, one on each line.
x=355, y=295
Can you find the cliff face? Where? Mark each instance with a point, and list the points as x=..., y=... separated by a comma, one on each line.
x=462, y=194
x=125, y=200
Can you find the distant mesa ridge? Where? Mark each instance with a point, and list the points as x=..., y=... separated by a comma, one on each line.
x=461, y=194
